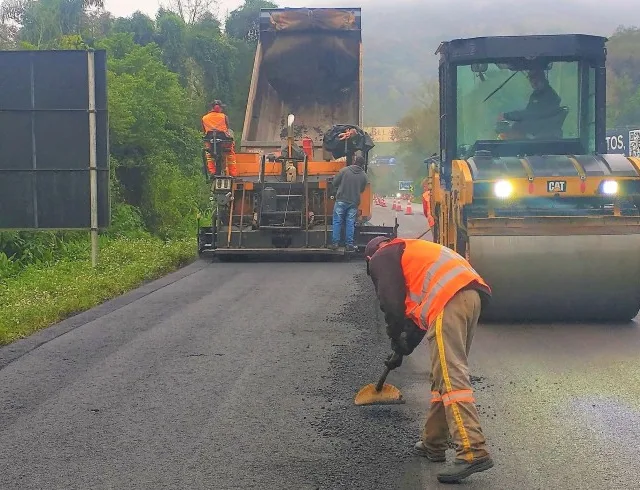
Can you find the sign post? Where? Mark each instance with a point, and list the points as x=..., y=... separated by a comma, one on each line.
x=93, y=168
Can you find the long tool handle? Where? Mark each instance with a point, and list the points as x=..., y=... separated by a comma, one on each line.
x=394, y=358
x=382, y=379
x=428, y=229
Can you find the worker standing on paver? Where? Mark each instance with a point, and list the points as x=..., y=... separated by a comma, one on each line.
x=349, y=183
x=427, y=289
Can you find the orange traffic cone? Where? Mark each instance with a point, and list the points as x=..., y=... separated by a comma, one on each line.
x=409, y=210
x=394, y=207
x=399, y=207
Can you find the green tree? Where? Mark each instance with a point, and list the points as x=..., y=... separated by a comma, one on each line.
x=8, y=36
x=140, y=25
x=244, y=22
x=171, y=37
x=623, y=78
x=154, y=147
x=43, y=21
x=418, y=131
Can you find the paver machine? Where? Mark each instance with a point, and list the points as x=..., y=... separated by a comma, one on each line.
x=302, y=125
x=524, y=187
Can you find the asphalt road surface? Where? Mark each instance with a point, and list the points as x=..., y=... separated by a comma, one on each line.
x=242, y=376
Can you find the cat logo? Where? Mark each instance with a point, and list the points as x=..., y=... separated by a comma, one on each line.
x=557, y=186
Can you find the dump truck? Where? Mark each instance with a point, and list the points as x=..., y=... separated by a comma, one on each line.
x=530, y=195
x=302, y=125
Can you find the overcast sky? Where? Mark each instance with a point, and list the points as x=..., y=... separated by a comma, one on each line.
x=150, y=7
x=121, y=8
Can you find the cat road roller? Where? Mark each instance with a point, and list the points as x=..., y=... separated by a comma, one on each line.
x=524, y=188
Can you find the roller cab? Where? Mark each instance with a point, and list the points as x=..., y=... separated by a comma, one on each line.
x=524, y=187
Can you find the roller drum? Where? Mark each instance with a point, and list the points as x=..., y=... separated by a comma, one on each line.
x=586, y=278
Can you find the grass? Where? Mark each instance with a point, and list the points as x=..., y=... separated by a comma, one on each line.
x=42, y=295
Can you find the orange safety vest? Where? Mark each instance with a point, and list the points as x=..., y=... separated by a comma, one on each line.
x=433, y=275
x=214, y=121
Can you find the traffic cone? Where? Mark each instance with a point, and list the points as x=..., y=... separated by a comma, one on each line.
x=383, y=203
x=409, y=210
x=399, y=207
x=394, y=207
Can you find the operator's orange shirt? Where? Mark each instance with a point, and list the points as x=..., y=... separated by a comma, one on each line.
x=214, y=121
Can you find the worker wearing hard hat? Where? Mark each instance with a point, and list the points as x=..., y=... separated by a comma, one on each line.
x=217, y=120
x=426, y=289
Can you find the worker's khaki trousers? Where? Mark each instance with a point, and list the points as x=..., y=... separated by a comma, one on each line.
x=453, y=411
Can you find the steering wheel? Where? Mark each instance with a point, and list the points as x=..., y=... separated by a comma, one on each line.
x=507, y=130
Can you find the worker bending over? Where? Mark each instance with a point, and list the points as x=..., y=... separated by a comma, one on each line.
x=427, y=289
x=216, y=120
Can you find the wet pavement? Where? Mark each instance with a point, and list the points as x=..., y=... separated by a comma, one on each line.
x=242, y=376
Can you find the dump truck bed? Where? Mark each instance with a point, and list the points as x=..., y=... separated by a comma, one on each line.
x=308, y=63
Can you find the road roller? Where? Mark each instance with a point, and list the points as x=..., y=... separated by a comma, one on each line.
x=524, y=187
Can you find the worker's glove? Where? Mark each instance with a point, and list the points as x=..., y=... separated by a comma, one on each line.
x=393, y=330
x=409, y=339
x=393, y=361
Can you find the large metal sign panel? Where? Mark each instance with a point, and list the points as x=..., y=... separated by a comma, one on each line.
x=45, y=140
x=625, y=141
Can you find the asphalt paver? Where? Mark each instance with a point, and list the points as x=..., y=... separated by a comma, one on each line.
x=242, y=376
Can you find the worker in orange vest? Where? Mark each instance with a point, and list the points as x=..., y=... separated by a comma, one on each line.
x=426, y=203
x=426, y=289
x=216, y=120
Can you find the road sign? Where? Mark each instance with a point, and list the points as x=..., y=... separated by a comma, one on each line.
x=54, y=155
x=405, y=185
x=625, y=141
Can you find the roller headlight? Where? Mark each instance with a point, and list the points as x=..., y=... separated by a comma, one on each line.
x=398, y=194
x=502, y=189
x=609, y=187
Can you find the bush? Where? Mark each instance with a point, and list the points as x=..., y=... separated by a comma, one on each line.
x=173, y=199
x=42, y=295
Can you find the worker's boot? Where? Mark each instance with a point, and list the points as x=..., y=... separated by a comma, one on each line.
x=433, y=456
x=460, y=470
